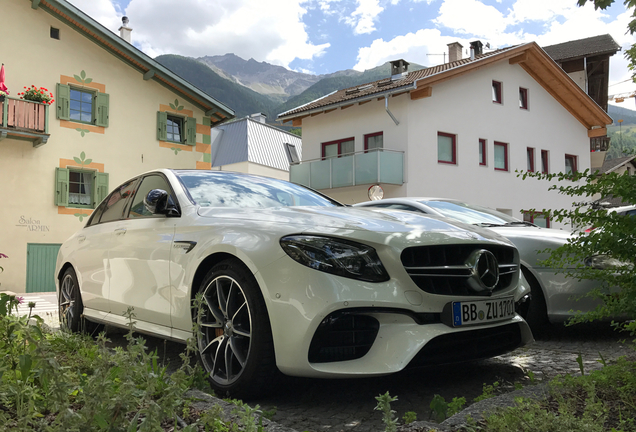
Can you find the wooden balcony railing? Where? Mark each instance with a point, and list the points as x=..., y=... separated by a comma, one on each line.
x=24, y=119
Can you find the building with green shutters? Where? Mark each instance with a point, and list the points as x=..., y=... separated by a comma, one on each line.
x=104, y=112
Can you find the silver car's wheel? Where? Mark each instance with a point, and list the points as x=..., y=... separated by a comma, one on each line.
x=233, y=332
x=70, y=302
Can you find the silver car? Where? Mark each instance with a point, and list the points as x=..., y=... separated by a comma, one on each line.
x=555, y=298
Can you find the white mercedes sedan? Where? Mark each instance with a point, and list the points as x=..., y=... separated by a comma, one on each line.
x=289, y=280
x=555, y=298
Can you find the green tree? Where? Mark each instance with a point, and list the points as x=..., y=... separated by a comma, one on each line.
x=606, y=254
x=630, y=54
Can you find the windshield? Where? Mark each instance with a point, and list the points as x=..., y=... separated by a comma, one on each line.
x=225, y=189
x=470, y=213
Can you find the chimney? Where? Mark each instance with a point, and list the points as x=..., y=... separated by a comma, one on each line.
x=259, y=117
x=399, y=69
x=124, y=30
x=454, y=51
x=476, y=47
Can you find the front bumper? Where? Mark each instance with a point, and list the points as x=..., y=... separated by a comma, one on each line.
x=299, y=299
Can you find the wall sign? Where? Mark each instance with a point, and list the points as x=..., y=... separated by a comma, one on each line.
x=32, y=224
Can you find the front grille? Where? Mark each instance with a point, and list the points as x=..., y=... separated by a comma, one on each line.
x=343, y=336
x=469, y=345
x=443, y=269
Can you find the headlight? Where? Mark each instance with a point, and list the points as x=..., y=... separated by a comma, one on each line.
x=603, y=262
x=340, y=257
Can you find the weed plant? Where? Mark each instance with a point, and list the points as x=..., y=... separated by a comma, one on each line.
x=72, y=382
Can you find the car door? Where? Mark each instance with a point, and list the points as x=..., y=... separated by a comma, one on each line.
x=94, y=243
x=140, y=259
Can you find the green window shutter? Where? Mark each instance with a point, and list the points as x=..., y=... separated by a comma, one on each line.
x=162, y=126
x=101, y=109
x=191, y=131
x=63, y=101
x=100, y=188
x=61, y=186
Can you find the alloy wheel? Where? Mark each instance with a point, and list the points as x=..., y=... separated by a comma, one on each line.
x=224, y=330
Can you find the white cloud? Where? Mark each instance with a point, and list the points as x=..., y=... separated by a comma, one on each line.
x=270, y=31
x=364, y=17
x=471, y=17
x=426, y=47
x=539, y=10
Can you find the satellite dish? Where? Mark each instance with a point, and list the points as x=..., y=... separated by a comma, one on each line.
x=376, y=193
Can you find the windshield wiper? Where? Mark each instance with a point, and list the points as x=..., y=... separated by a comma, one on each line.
x=487, y=224
x=524, y=223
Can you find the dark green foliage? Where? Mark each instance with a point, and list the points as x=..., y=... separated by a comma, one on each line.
x=241, y=99
x=606, y=254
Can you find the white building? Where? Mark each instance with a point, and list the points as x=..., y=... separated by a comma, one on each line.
x=252, y=146
x=459, y=130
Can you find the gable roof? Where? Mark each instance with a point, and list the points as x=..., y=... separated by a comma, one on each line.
x=614, y=164
x=252, y=141
x=419, y=84
x=135, y=58
x=588, y=47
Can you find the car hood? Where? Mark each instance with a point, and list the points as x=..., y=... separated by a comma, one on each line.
x=349, y=218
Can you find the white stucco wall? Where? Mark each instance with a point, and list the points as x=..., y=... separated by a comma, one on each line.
x=463, y=106
x=254, y=168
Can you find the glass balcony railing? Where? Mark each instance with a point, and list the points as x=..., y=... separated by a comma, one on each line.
x=24, y=120
x=360, y=168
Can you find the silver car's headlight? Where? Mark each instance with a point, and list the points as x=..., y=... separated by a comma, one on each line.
x=336, y=256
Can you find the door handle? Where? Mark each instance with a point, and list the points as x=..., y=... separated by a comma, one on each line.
x=120, y=231
x=81, y=238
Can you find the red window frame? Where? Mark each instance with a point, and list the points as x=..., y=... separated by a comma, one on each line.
x=505, y=146
x=529, y=217
x=545, y=162
x=575, y=167
x=367, y=136
x=482, y=146
x=339, y=142
x=497, y=87
x=454, y=138
x=530, y=157
x=523, y=98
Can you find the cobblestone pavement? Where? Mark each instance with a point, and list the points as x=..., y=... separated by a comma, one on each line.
x=347, y=405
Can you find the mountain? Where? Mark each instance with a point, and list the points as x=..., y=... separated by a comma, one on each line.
x=276, y=82
x=333, y=83
x=240, y=98
x=248, y=86
x=619, y=113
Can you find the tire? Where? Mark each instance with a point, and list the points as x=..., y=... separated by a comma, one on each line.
x=71, y=307
x=537, y=314
x=233, y=332
x=70, y=302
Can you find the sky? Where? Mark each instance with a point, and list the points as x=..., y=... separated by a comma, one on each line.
x=324, y=36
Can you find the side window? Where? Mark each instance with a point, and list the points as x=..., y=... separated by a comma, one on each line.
x=138, y=209
x=116, y=202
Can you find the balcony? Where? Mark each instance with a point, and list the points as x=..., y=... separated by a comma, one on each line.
x=24, y=120
x=360, y=168
x=599, y=143
x=598, y=150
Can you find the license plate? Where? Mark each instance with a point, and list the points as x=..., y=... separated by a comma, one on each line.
x=482, y=311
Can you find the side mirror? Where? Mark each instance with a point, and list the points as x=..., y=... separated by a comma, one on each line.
x=156, y=202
